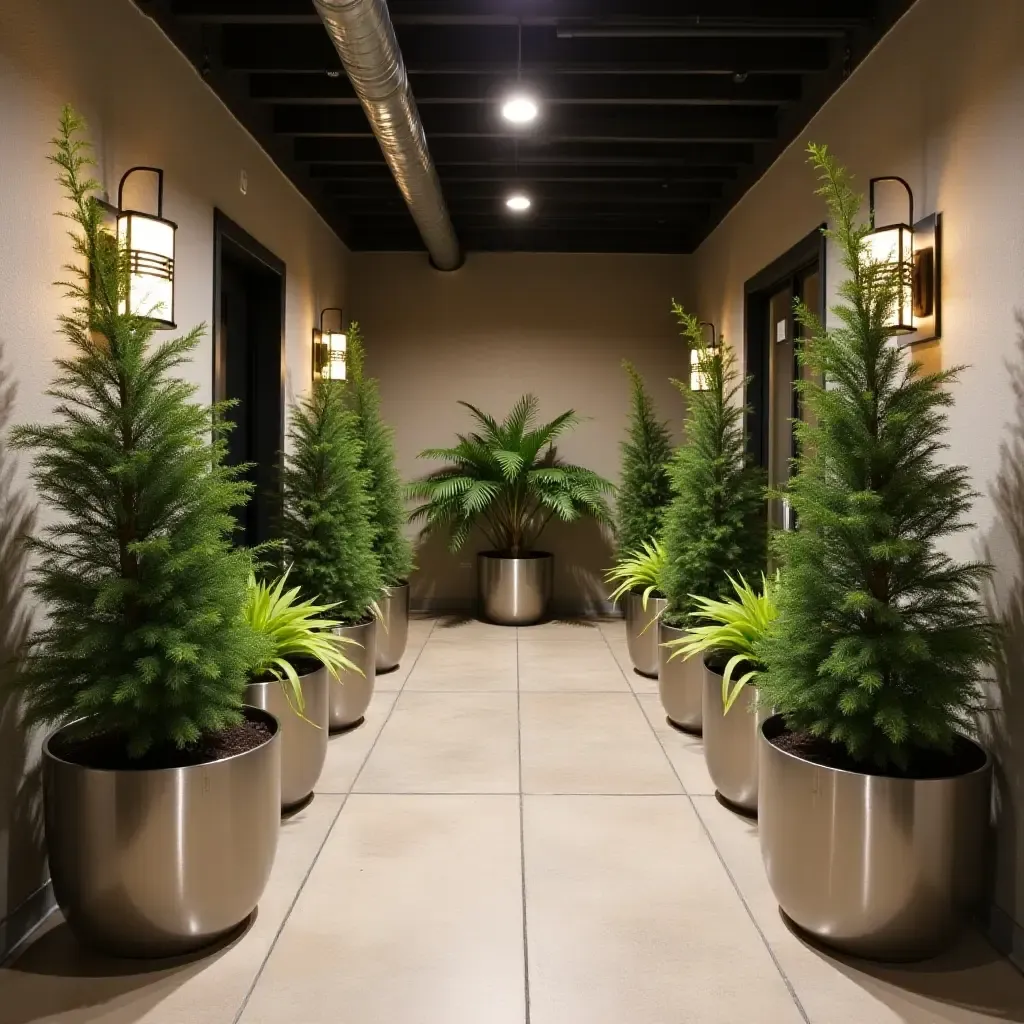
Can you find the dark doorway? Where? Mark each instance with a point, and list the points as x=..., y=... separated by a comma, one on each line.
x=248, y=366
x=772, y=336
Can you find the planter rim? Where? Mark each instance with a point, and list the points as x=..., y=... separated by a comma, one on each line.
x=638, y=590
x=355, y=625
x=264, y=680
x=675, y=629
x=247, y=709
x=523, y=556
x=776, y=720
x=396, y=586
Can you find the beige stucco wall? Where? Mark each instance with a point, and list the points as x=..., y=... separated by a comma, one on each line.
x=145, y=105
x=940, y=102
x=503, y=325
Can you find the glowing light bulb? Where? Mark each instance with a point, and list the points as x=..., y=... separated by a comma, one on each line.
x=518, y=202
x=519, y=109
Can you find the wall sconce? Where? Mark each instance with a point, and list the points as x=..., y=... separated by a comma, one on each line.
x=329, y=348
x=149, y=240
x=914, y=248
x=698, y=378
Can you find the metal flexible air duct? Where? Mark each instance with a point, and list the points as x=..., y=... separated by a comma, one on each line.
x=364, y=37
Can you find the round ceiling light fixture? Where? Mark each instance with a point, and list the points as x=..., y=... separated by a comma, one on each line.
x=518, y=202
x=520, y=109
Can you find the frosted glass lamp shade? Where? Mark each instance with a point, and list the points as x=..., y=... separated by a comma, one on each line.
x=892, y=248
x=150, y=244
x=698, y=378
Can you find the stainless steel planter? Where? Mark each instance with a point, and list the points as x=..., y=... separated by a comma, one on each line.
x=162, y=862
x=680, y=683
x=879, y=867
x=731, y=742
x=303, y=740
x=351, y=698
x=515, y=591
x=642, y=631
x=393, y=628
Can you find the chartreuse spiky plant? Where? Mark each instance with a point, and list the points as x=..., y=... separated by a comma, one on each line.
x=644, y=488
x=880, y=635
x=143, y=591
x=645, y=568
x=507, y=479
x=716, y=523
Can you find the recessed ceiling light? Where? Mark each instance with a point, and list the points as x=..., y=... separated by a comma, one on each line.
x=519, y=109
x=518, y=202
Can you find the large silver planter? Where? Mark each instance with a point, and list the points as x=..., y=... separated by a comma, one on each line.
x=879, y=867
x=680, y=683
x=351, y=697
x=393, y=628
x=303, y=740
x=515, y=591
x=731, y=742
x=642, y=631
x=162, y=862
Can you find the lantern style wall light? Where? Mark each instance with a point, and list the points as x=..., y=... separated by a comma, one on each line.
x=329, y=348
x=698, y=378
x=912, y=249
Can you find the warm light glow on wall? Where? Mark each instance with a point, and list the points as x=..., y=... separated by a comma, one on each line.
x=330, y=349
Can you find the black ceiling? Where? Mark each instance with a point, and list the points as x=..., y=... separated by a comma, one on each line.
x=657, y=115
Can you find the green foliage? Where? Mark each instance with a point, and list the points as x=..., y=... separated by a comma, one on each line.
x=327, y=529
x=142, y=587
x=644, y=489
x=507, y=479
x=643, y=568
x=716, y=523
x=736, y=626
x=880, y=635
x=292, y=629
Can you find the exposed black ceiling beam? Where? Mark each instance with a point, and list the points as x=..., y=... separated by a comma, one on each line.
x=566, y=192
x=568, y=173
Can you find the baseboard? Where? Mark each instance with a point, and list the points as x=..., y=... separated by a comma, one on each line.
x=17, y=928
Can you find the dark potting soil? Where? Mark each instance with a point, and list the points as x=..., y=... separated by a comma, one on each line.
x=303, y=667
x=964, y=758
x=108, y=752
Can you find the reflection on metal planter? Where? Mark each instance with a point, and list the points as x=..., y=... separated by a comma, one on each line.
x=680, y=683
x=303, y=740
x=642, y=631
x=162, y=862
x=880, y=867
x=393, y=628
x=351, y=696
x=731, y=742
x=515, y=591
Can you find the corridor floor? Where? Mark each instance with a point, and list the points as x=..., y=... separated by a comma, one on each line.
x=502, y=773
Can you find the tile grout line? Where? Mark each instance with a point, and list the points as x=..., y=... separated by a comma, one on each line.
x=714, y=846
x=320, y=849
x=522, y=838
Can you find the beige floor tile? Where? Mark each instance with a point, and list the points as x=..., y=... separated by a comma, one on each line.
x=969, y=985
x=446, y=743
x=568, y=665
x=685, y=751
x=56, y=982
x=590, y=743
x=636, y=682
x=561, y=629
x=631, y=919
x=460, y=665
x=464, y=630
x=347, y=751
x=394, y=681
x=611, y=625
x=420, y=628
x=413, y=915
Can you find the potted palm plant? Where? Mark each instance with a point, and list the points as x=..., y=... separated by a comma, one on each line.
x=161, y=791
x=387, y=508
x=644, y=492
x=639, y=579
x=327, y=535
x=716, y=522
x=729, y=640
x=507, y=480
x=291, y=680
x=874, y=800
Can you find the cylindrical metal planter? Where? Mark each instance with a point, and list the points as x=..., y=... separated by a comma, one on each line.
x=515, y=591
x=350, y=695
x=880, y=867
x=642, y=631
x=153, y=863
x=680, y=683
x=393, y=628
x=303, y=740
x=731, y=742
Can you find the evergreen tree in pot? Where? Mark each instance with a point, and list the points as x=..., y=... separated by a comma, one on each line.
x=327, y=533
x=874, y=658
x=387, y=505
x=144, y=656
x=716, y=523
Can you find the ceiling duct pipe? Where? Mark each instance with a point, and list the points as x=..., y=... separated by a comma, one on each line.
x=364, y=37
